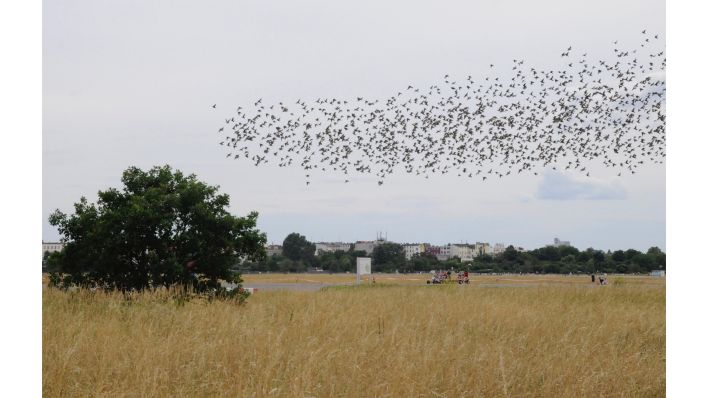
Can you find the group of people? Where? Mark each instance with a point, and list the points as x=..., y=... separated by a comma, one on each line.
x=446, y=277
x=602, y=279
x=463, y=277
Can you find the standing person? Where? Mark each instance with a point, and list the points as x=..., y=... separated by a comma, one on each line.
x=592, y=277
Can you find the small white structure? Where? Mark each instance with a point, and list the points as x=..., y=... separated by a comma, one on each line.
x=658, y=272
x=363, y=267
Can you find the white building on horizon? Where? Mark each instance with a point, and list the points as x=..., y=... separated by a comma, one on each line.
x=464, y=252
x=367, y=245
x=52, y=247
x=482, y=248
x=559, y=243
x=272, y=250
x=445, y=251
x=331, y=247
x=498, y=249
x=411, y=249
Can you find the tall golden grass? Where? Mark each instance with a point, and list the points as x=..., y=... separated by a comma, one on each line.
x=369, y=341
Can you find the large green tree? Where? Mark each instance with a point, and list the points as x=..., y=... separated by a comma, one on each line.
x=339, y=261
x=658, y=257
x=296, y=247
x=162, y=228
x=388, y=257
x=423, y=262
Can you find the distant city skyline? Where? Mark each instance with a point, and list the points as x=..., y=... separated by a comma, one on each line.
x=555, y=242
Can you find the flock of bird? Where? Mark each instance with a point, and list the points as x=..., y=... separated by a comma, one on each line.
x=493, y=126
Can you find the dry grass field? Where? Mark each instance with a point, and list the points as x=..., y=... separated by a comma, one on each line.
x=386, y=340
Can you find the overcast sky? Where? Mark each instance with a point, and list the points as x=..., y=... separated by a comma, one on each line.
x=132, y=83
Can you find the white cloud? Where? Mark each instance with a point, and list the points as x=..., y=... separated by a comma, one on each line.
x=564, y=186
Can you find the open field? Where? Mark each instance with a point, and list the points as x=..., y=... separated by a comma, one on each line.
x=419, y=279
x=383, y=340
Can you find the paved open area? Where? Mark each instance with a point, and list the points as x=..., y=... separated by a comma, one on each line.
x=302, y=287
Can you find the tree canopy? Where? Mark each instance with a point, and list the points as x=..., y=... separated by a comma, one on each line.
x=387, y=257
x=163, y=228
x=296, y=247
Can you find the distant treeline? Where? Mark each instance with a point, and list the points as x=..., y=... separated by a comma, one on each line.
x=299, y=256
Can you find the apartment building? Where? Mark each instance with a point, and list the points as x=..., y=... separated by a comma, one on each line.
x=52, y=247
x=272, y=250
x=331, y=247
x=412, y=249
